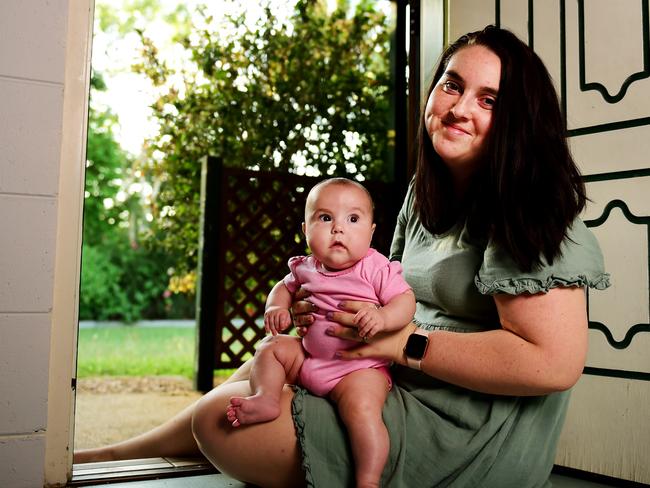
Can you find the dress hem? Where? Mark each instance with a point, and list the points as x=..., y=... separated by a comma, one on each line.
x=299, y=423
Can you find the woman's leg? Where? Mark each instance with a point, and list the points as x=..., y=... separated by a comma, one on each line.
x=360, y=398
x=172, y=439
x=277, y=361
x=265, y=454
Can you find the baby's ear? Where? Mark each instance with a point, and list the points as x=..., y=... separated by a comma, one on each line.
x=303, y=227
x=372, y=229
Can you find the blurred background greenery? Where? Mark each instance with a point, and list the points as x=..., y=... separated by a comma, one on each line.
x=136, y=351
x=297, y=86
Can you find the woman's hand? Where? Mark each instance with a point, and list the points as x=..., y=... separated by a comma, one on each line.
x=384, y=345
x=301, y=312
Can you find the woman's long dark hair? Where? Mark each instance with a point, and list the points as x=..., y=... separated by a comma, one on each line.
x=528, y=190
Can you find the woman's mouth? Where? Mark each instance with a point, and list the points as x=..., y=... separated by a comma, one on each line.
x=455, y=129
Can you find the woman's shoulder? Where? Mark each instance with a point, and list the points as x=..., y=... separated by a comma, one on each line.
x=579, y=263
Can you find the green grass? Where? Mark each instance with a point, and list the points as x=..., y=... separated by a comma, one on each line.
x=136, y=351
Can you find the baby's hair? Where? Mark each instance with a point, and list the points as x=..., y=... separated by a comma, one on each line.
x=340, y=181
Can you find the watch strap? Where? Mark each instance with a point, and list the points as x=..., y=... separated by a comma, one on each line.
x=414, y=363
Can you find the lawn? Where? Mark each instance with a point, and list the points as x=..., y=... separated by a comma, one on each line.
x=136, y=351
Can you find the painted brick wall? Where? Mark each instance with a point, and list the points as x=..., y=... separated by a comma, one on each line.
x=32, y=63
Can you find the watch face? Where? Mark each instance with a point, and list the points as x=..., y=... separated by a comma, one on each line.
x=416, y=345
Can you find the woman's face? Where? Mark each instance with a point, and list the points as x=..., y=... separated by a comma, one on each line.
x=458, y=114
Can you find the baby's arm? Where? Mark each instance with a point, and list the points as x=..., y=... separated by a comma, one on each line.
x=276, y=315
x=393, y=316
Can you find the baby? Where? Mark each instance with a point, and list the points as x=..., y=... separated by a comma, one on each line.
x=338, y=227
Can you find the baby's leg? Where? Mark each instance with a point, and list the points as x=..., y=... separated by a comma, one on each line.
x=360, y=397
x=277, y=361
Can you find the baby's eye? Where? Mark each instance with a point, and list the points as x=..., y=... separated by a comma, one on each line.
x=325, y=217
x=450, y=86
x=354, y=219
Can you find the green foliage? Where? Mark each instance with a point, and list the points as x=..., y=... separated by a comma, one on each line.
x=106, y=165
x=124, y=282
x=308, y=95
x=130, y=15
x=120, y=279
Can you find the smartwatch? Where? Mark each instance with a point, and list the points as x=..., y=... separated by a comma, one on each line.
x=416, y=347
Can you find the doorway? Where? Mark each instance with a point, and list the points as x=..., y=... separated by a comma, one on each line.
x=107, y=205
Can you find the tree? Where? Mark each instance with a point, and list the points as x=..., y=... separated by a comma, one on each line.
x=120, y=280
x=106, y=164
x=308, y=94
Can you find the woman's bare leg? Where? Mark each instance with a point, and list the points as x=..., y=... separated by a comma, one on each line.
x=265, y=454
x=360, y=398
x=277, y=361
x=171, y=439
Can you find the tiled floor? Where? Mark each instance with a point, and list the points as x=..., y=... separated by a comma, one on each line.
x=197, y=474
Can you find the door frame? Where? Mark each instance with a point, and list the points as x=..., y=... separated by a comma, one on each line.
x=64, y=316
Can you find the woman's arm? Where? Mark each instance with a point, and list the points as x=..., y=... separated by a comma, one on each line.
x=540, y=348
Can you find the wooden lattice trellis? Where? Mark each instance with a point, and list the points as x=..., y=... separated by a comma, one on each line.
x=251, y=226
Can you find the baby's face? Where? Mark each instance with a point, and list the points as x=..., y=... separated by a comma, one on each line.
x=338, y=225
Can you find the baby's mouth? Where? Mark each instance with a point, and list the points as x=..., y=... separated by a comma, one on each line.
x=338, y=245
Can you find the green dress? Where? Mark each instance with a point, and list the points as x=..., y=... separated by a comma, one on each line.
x=441, y=434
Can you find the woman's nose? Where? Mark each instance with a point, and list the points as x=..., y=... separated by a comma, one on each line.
x=461, y=108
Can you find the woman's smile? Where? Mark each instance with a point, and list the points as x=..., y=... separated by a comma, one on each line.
x=455, y=129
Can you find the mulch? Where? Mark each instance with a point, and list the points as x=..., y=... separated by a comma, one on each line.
x=134, y=384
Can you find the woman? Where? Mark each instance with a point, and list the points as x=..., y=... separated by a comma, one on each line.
x=490, y=243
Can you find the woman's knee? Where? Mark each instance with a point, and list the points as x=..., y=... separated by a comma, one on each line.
x=200, y=418
x=208, y=419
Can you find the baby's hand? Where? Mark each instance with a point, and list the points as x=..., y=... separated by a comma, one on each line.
x=276, y=320
x=369, y=321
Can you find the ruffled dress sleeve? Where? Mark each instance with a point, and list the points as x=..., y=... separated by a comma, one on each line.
x=292, y=280
x=580, y=264
x=388, y=281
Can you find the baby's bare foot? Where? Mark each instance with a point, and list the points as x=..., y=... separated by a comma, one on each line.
x=252, y=410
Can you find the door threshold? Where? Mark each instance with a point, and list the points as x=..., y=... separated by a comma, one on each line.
x=138, y=469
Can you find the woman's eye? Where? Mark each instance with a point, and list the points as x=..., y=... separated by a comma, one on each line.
x=488, y=102
x=325, y=218
x=451, y=86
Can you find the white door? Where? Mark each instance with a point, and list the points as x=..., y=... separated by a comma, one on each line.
x=598, y=53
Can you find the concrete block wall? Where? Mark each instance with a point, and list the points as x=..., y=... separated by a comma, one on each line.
x=32, y=71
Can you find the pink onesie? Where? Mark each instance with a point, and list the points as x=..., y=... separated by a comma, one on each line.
x=373, y=279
